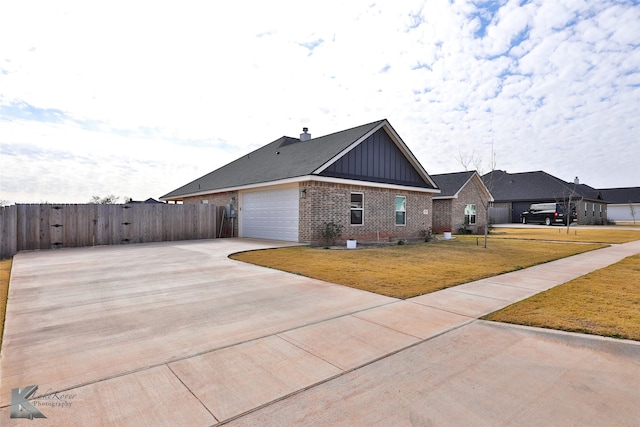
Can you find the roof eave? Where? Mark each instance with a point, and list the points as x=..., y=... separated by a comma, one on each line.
x=303, y=179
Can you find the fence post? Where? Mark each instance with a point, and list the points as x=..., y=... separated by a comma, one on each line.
x=8, y=231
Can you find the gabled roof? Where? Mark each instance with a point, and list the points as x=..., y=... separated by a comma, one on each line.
x=534, y=186
x=451, y=184
x=288, y=158
x=150, y=200
x=620, y=196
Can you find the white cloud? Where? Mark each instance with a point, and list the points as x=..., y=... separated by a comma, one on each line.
x=159, y=93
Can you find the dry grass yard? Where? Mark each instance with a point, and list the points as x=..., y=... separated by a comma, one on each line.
x=410, y=270
x=576, y=234
x=5, y=271
x=605, y=302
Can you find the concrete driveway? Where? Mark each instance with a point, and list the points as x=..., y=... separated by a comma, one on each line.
x=178, y=334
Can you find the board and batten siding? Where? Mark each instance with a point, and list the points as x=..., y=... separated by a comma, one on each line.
x=377, y=159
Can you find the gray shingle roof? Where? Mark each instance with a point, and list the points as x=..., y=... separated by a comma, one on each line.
x=621, y=195
x=283, y=158
x=534, y=186
x=451, y=183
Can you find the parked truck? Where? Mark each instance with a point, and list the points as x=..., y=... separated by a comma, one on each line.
x=549, y=214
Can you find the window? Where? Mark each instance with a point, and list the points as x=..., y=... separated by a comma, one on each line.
x=401, y=210
x=469, y=214
x=357, y=208
x=593, y=212
x=600, y=211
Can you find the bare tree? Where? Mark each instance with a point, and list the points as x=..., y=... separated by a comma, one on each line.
x=471, y=159
x=633, y=211
x=107, y=200
x=466, y=160
x=570, y=200
x=570, y=205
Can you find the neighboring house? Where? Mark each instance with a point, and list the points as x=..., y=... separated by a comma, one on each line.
x=624, y=203
x=150, y=200
x=461, y=204
x=514, y=192
x=365, y=179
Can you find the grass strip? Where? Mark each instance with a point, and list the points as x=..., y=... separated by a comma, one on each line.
x=605, y=302
x=576, y=234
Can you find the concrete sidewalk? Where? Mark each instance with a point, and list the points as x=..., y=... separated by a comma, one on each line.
x=178, y=334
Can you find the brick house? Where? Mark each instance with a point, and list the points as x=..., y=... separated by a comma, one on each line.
x=462, y=204
x=365, y=179
x=515, y=192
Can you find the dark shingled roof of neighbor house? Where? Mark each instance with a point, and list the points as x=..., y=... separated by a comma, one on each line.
x=451, y=183
x=283, y=158
x=533, y=186
x=621, y=195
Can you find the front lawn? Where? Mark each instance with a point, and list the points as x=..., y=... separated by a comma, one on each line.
x=411, y=270
x=575, y=234
x=605, y=302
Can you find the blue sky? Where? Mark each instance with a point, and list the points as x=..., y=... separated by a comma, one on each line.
x=138, y=98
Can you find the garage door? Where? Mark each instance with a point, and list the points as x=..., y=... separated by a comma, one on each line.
x=270, y=214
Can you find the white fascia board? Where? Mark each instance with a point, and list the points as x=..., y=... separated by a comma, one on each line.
x=242, y=187
x=395, y=138
x=371, y=184
x=408, y=153
x=306, y=178
x=170, y=199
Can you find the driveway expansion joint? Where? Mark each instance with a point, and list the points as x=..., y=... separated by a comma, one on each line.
x=332, y=309
x=195, y=396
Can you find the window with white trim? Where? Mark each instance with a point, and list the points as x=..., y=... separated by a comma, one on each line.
x=470, y=214
x=401, y=210
x=357, y=208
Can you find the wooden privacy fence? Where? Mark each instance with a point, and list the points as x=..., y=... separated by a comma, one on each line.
x=47, y=226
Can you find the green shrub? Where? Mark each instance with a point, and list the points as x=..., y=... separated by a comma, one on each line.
x=331, y=232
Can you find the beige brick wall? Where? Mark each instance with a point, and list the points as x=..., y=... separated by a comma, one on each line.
x=449, y=213
x=442, y=216
x=591, y=213
x=470, y=194
x=325, y=202
x=219, y=199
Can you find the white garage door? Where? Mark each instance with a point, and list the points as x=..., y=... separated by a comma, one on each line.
x=270, y=214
